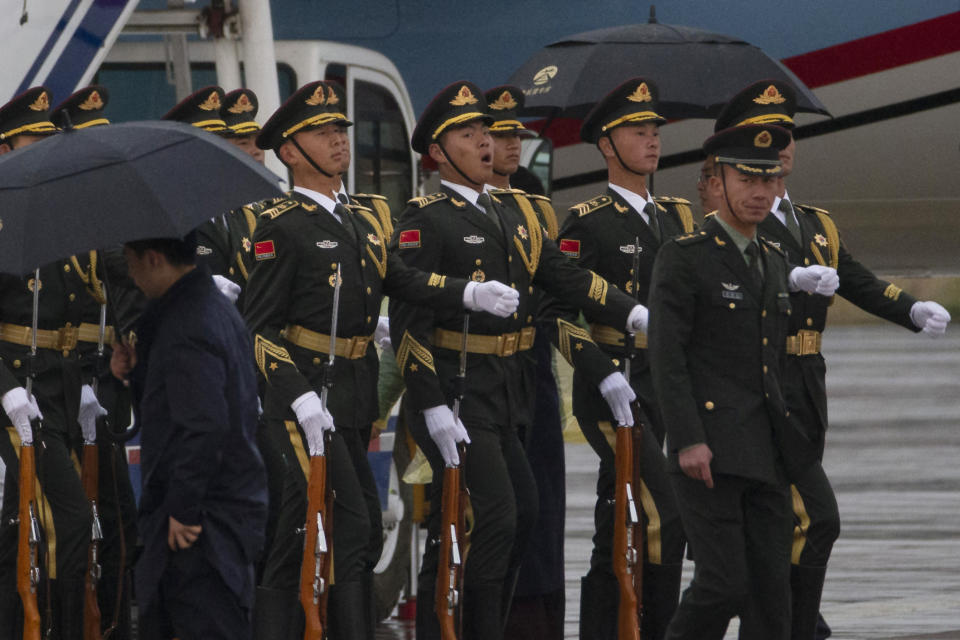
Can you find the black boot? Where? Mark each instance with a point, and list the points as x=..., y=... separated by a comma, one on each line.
x=346, y=612
x=599, y=599
x=806, y=585
x=277, y=614
x=661, y=593
x=823, y=629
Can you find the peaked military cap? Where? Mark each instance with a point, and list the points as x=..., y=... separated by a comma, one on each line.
x=238, y=112
x=458, y=104
x=201, y=109
x=753, y=149
x=763, y=102
x=313, y=105
x=83, y=109
x=27, y=114
x=633, y=102
x=503, y=103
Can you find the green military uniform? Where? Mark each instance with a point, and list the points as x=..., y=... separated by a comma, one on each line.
x=298, y=246
x=817, y=242
x=717, y=335
x=444, y=230
x=601, y=234
x=64, y=511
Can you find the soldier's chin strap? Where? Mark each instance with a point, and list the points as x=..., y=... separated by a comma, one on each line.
x=309, y=159
x=723, y=179
x=453, y=164
x=623, y=164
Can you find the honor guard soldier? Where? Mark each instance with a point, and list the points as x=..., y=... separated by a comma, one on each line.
x=536, y=609
x=223, y=243
x=115, y=500
x=809, y=237
x=719, y=311
x=65, y=520
x=300, y=243
x=601, y=235
x=471, y=234
x=239, y=112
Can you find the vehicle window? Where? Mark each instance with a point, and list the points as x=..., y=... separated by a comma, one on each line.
x=382, y=151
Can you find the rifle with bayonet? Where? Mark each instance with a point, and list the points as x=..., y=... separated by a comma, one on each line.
x=317, y=562
x=627, y=523
x=453, y=534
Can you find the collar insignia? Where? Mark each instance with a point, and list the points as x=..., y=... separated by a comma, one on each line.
x=458, y=203
x=318, y=98
x=42, y=103
x=730, y=287
x=474, y=239
x=641, y=94
x=522, y=231
x=720, y=243
x=92, y=103
x=820, y=240
x=505, y=101
x=620, y=208
x=212, y=103
x=463, y=97
x=242, y=105
x=770, y=95
x=327, y=244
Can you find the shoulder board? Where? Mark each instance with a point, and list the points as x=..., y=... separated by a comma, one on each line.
x=590, y=206
x=358, y=207
x=537, y=196
x=506, y=191
x=423, y=201
x=691, y=238
x=373, y=196
x=810, y=209
x=706, y=216
x=772, y=245
x=669, y=200
x=278, y=209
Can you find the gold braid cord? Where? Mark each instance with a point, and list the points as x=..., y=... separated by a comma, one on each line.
x=89, y=278
x=833, y=238
x=410, y=347
x=263, y=349
x=536, y=235
x=379, y=261
x=567, y=332
x=549, y=217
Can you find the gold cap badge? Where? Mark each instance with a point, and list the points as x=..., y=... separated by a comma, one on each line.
x=92, y=103
x=242, y=105
x=463, y=97
x=212, y=103
x=641, y=94
x=770, y=95
x=318, y=97
x=42, y=103
x=332, y=96
x=763, y=140
x=504, y=101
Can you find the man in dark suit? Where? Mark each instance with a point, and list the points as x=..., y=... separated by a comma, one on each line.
x=203, y=502
x=720, y=307
x=809, y=237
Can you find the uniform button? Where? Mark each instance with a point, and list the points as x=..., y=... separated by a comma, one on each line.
x=515, y=315
x=765, y=368
x=787, y=414
x=763, y=314
x=369, y=290
x=16, y=364
x=733, y=306
x=509, y=258
x=66, y=353
x=765, y=341
x=529, y=318
x=317, y=361
x=529, y=289
x=66, y=268
x=766, y=395
x=72, y=297
x=333, y=265
x=809, y=322
x=513, y=285
x=363, y=262
x=806, y=261
x=708, y=405
x=368, y=319
x=230, y=270
x=479, y=262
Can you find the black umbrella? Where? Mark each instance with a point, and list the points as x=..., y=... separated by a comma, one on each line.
x=695, y=70
x=101, y=186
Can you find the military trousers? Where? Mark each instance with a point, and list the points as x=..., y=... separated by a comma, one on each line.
x=739, y=534
x=503, y=502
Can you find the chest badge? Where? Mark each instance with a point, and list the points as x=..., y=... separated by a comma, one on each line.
x=203, y=251
x=729, y=286
x=820, y=240
x=474, y=239
x=327, y=244
x=730, y=291
x=630, y=249
x=373, y=239
x=522, y=231
x=478, y=276
x=246, y=244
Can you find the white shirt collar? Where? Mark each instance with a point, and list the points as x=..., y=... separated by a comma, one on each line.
x=323, y=200
x=775, y=209
x=469, y=194
x=635, y=200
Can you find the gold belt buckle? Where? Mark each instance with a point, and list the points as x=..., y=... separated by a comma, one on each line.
x=508, y=344
x=527, y=334
x=357, y=347
x=67, y=338
x=808, y=342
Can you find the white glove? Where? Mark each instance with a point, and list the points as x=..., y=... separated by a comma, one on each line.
x=638, y=319
x=617, y=392
x=21, y=409
x=90, y=410
x=814, y=279
x=493, y=297
x=445, y=432
x=314, y=419
x=230, y=289
x=381, y=335
x=931, y=317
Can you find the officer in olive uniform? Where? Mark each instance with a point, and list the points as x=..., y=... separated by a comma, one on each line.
x=719, y=310
x=472, y=235
x=808, y=236
x=223, y=243
x=56, y=388
x=299, y=243
x=116, y=505
x=537, y=607
x=601, y=234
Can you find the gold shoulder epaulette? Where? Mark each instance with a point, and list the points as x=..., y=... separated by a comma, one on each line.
x=506, y=191
x=590, y=206
x=710, y=215
x=811, y=209
x=423, y=201
x=278, y=209
x=670, y=200
x=691, y=238
x=537, y=196
x=374, y=196
x=358, y=207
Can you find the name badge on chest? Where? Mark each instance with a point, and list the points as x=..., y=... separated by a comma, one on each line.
x=731, y=291
x=327, y=244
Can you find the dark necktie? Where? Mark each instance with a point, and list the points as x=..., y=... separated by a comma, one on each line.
x=486, y=204
x=651, y=210
x=342, y=197
x=344, y=214
x=790, y=219
x=753, y=264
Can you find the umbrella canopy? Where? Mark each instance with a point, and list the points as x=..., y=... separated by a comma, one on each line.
x=696, y=71
x=102, y=186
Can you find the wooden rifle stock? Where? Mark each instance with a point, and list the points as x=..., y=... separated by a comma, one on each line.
x=638, y=528
x=90, y=480
x=625, y=564
x=449, y=589
x=317, y=550
x=28, y=545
